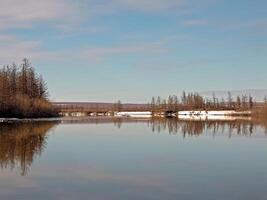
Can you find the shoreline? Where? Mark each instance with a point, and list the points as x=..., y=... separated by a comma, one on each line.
x=82, y=118
x=14, y=120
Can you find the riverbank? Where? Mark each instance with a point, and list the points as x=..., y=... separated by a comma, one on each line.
x=181, y=115
x=14, y=120
x=189, y=113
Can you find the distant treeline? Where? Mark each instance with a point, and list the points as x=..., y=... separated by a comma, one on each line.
x=189, y=101
x=23, y=93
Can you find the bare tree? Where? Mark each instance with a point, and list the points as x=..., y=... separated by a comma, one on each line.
x=42, y=88
x=22, y=93
x=250, y=102
x=153, y=104
x=238, y=102
x=230, y=100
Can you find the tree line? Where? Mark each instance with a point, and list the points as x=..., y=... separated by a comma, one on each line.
x=23, y=93
x=195, y=101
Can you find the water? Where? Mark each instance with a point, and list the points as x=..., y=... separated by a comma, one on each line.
x=133, y=159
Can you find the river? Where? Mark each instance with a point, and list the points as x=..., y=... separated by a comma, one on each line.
x=111, y=158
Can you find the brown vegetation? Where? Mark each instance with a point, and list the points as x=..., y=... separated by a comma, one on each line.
x=20, y=143
x=194, y=101
x=23, y=93
x=190, y=101
x=260, y=114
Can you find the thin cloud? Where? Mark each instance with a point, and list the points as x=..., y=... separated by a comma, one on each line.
x=30, y=10
x=13, y=49
x=256, y=26
x=195, y=22
x=145, y=5
x=25, y=14
x=123, y=49
x=21, y=13
x=154, y=47
x=108, y=7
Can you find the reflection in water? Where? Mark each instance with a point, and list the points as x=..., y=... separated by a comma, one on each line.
x=195, y=128
x=20, y=143
x=98, y=158
x=230, y=126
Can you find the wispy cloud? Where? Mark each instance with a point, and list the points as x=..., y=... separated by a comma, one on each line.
x=13, y=49
x=106, y=7
x=195, y=22
x=145, y=5
x=149, y=47
x=256, y=26
x=16, y=14
x=21, y=13
x=100, y=53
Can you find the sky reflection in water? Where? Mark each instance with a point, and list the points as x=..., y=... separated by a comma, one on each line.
x=133, y=159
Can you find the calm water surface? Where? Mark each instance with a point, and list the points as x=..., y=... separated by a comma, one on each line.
x=133, y=159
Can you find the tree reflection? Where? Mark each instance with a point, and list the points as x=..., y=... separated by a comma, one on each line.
x=235, y=126
x=196, y=128
x=21, y=143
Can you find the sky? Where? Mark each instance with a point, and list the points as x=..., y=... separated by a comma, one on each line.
x=105, y=50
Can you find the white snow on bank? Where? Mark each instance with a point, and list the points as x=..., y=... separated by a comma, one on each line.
x=212, y=117
x=134, y=114
x=213, y=113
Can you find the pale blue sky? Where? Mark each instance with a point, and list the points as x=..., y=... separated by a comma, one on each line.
x=104, y=50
